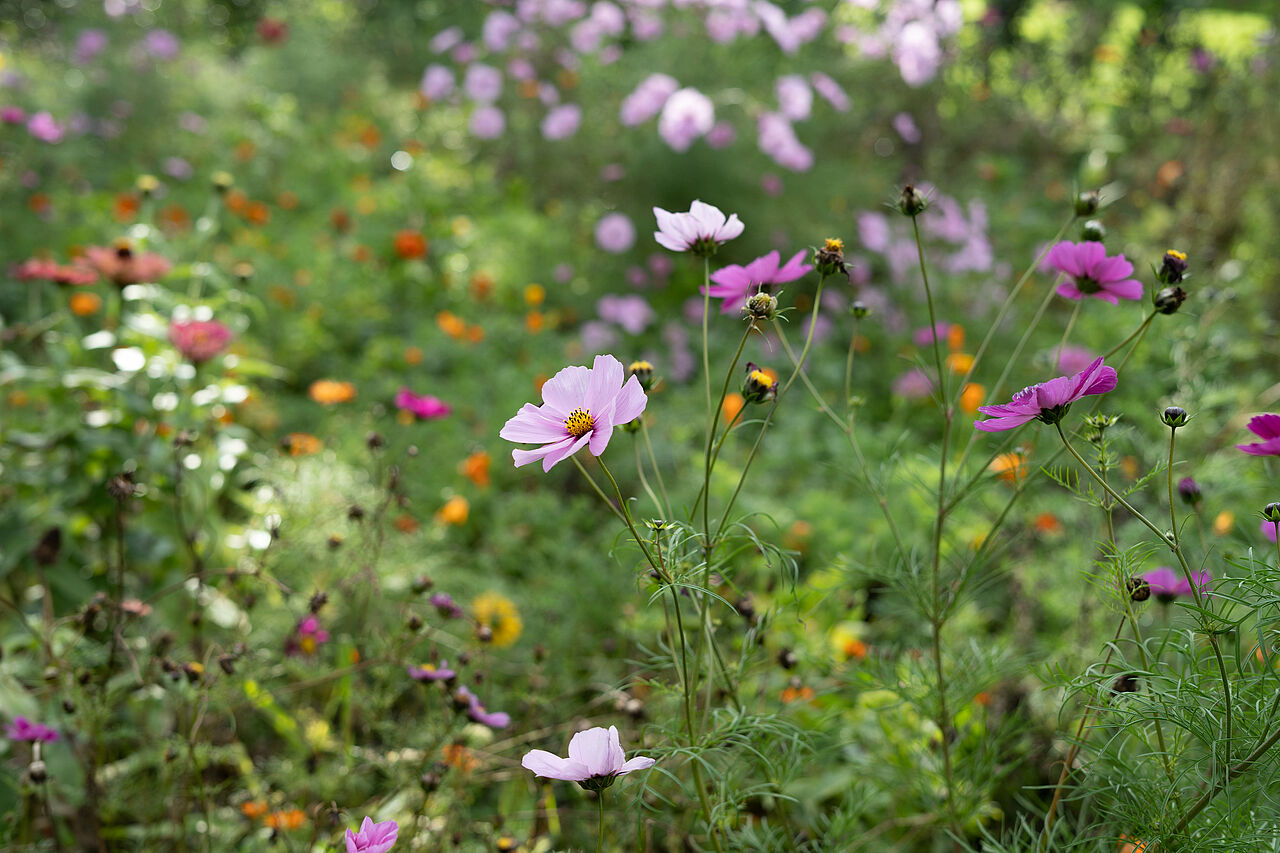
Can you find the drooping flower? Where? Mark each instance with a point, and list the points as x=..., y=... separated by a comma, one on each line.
x=700, y=230
x=372, y=837
x=1267, y=428
x=581, y=405
x=1092, y=273
x=1167, y=584
x=423, y=406
x=468, y=701
x=199, y=340
x=595, y=760
x=1048, y=401
x=734, y=283
x=23, y=729
x=432, y=672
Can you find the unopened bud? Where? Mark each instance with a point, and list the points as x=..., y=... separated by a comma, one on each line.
x=912, y=202
x=147, y=185
x=758, y=387
x=1169, y=299
x=37, y=772
x=222, y=181
x=859, y=310
x=318, y=601
x=1093, y=231
x=1173, y=267
x=1139, y=589
x=1189, y=490
x=829, y=260
x=1174, y=416
x=1127, y=683
x=1271, y=512
x=228, y=664
x=1087, y=203
x=643, y=372
x=761, y=306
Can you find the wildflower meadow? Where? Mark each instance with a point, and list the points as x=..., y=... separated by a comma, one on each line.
x=639, y=425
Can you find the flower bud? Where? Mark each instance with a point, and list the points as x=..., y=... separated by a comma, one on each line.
x=787, y=659
x=414, y=623
x=761, y=306
x=1174, y=416
x=243, y=271
x=147, y=185
x=758, y=387
x=355, y=513
x=1189, y=491
x=484, y=633
x=375, y=441
x=46, y=551
x=421, y=584
x=505, y=844
x=1271, y=512
x=228, y=664
x=829, y=260
x=1125, y=684
x=643, y=372
x=859, y=309
x=1139, y=589
x=318, y=601
x=912, y=202
x=1093, y=230
x=37, y=772
x=121, y=486
x=1087, y=203
x=1169, y=299
x=222, y=181
x=1173, y=267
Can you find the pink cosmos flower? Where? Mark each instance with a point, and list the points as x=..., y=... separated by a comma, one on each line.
x=830, y=90
x=1093, y=273
x=1267, y=428
x=1167, y=584
x=1048, y=401
x=488, y=122
x=686, y=116
x=1269, y=530
x=615, y=233
x=423, y=406
x=437, y=82
x=199, y=340
x=464, y=698
x=915, y=384
x=795, y=98
x=307, y=638
x=595, y=760
x=562, y=122
x=648, y=99
x=581, y=406
x=700, y=230
x=733, y=284
x=1073, y=359
x=630, y=312
x=431, y=672
x=23, y=729
x=12, y=115
x=483, y=83
x=43, y=127
x=373, y=837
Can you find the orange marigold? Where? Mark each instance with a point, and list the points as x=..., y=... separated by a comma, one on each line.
x=288, y=819
x=451, y=324
x=454, y=511
x=254, y=809
x=83, y=303
x=330, y=391
x=410, y=244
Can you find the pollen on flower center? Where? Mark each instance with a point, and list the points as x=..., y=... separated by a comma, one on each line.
x=579, y=422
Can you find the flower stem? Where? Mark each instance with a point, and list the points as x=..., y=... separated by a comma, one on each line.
x=600, y=839
x=1141, y=330
x=1071, y=324
x=657, y=472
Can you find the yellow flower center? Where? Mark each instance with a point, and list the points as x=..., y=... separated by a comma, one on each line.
x=637, y=366
x=759, y=377
x=834, y=244
x=579, y=422
x=308, y=645
x=1182, y=256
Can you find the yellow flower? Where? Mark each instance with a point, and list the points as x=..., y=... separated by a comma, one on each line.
x=498, y=613
x=454, y=511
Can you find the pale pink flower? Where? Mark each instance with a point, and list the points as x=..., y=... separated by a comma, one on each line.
x=700, y=230
x=615, y=233
x=595, y=760
x=687, y=115
x=199, y=340
x=373, y=837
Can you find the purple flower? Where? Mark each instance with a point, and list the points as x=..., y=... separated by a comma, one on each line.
x=445, y=40
x=487, y=122
x=915, y=384
x=1189, y=491
x=917, y=53
x=13, y=115
x=562, y=122
x=423, y=406
x=778, y=139
x=687, y=115
x=700, y=230
x=1267, y=428
x=1269, y=530
x=445, y=605
x=307, y=638
x=830, y=90
x=176, y=167
x=926, y=336
x=733, y=284
x=431, y=672
x=721, y=135
x=23, y=729
x=89, y=44
x=595, y=760
x=795, y=98
x=581, y=405
x=615, y=233
x=483, y=83
x=372, y=837
x=476, y=711
x=1048, y=401
x=771, y=184
x=1167, y=584
x=1074, y=359
x=499, y=28
x=437, y=82
x=873, y=231
x=1093, y=273
x=43, y=127
x=632, y=312
x=597, y=337
x=647, y=100
x=160, y=44
x=906, y=127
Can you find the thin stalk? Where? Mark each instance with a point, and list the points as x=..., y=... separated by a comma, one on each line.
x=1141, y=330
x=808, y=341
x=600, y=839
x=644, y=481
x=848, y=370
x=804, y=379
x=1071, y=324
x=657, y=472
x=599, y=492
x=1219, y=784
x=707, y=462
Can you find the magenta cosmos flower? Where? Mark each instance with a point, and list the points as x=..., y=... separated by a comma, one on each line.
x=1093, y=273
x=467, y=700
x=199, y=340
x=1167, y=584
x=432, y=672
x=1048, y=401
x=734, y=283
x=422, y=406
x=373, y=837
x=595, y=760
x=700, y=230
x=1267, y=428
x=581, y=405
x=23, y=729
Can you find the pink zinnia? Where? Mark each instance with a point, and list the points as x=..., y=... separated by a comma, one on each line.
x=581, y=405
x=733, y=284
x=700, y=230
x=124, y=266
x=1048, y=401
x=595, y=760
x=423, y=406
x=373, y=837
x=1093, y=273
x=199, y=340
x=1267, y=428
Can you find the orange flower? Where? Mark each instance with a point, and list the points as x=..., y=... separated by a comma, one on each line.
x=538, y=381
x=125, y=208
x=370, y=137
x=301, y=444
x=476, y=468
x=1131, y=845
x=534, y=294
x=481, y=286
x=955, y=337
x=330, y=391
x=1047, y=522
x=361, y=254
x=959, y=362
x=534, y=322
x=413, y=355
x=983, y=698
x=254, y=809
x=410, y=244
x=528, y=89
x=797, y=536
x=257, y=213
x=854, y=649
x=457, y=755
x=791, y=694
x=451, y=324
x=454, y=511
x=732, y=405
x=339, y=220
x=282, y=295
x=83, y=303
x=287, y=200
x=407, y=524
x=38, y=203
x=1009, y=467
x=290, y=819
x=475, y=334
x=175, y=217
x=1223, y=523
x=245, y=150
x=971, y=397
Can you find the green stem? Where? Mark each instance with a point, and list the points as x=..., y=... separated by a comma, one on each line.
x=848, y=371
x=657, y=472
x=600, y=839
x=1071, y=324
x=1141, y=330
